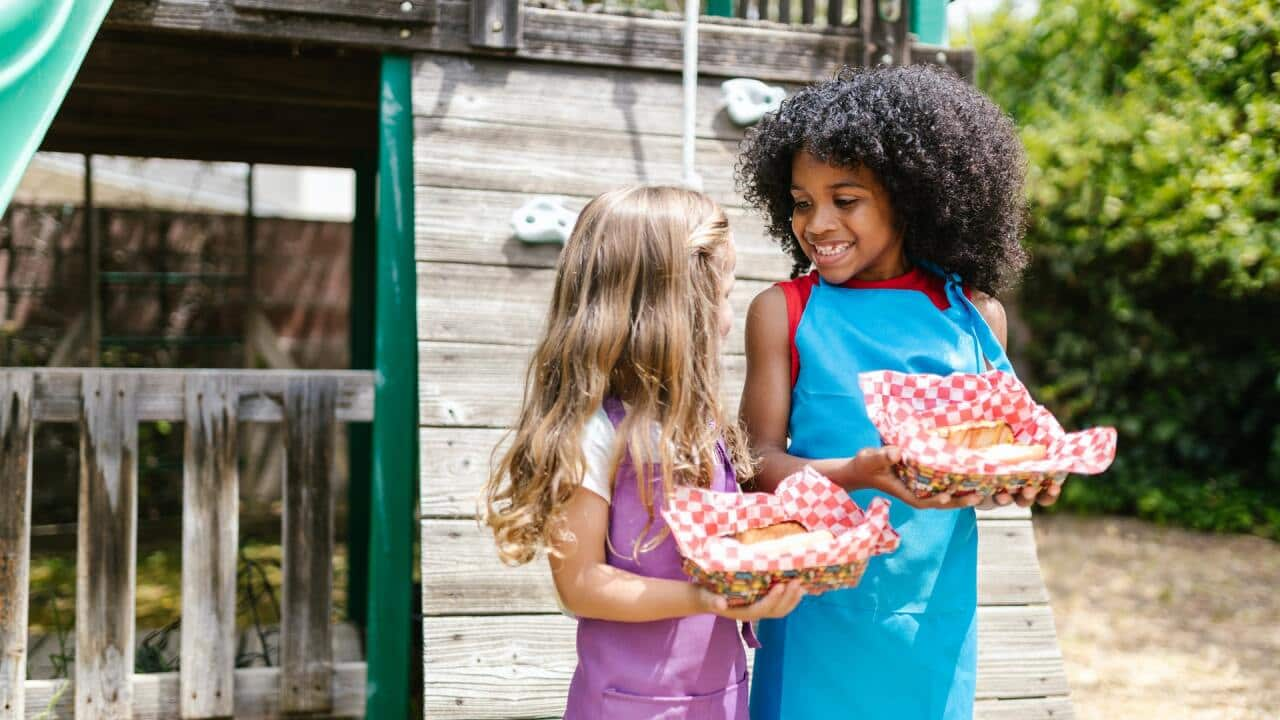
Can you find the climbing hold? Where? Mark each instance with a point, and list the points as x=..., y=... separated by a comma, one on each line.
x=748, y=100
x=543, y=219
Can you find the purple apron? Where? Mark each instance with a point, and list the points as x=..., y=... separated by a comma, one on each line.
x=691, y=668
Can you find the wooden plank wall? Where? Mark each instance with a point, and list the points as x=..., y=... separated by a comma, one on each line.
x=489, y=134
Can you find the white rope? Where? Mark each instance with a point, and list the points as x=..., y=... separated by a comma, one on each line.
x=691, y=178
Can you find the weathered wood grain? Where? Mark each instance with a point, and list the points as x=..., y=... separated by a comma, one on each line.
x=726, y=48
x=160, y=393
x=455, y=462
x=463, y=576
x=416, y=12
x=519, y=666
x=1006, y=512
x=470, y=385
x=157, y=696
x=1056, y=707
x=15, y=536
x=474, y=226
x=496, y=24
x=163, y=65
x=568, y=96
x=106, y=556
x=508, y=305
x=306, y=650
x=187, y=127
x=210, y=529
x=219, y=18
x=480, y=155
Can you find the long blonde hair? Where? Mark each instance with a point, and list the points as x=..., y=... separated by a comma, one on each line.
x=634, y=314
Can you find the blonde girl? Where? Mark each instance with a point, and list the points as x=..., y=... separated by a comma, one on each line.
x=621, y=404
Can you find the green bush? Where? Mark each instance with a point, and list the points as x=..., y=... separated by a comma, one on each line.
x=1153, y=137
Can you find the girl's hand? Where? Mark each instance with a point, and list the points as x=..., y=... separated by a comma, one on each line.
x=780, y=600
x=1029, y=495
x=872, y=468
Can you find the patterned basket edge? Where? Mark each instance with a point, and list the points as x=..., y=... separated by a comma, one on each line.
x=927, y=482
x=744, y=588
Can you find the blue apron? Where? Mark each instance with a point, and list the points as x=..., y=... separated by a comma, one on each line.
x=903, y=644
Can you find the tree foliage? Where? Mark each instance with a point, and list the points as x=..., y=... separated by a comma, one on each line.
x=1153, y=135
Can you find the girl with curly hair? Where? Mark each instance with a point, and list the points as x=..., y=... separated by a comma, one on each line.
x=898, y=192
x=621, y=404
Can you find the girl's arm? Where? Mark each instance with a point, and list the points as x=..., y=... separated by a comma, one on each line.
x=766, y=409
x=993, y=312
x=591, y=588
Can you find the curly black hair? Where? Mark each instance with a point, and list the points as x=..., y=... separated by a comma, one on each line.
x=949, y=158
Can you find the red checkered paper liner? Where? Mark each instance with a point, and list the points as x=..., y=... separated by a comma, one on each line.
x=701, y=521
x=907, y=408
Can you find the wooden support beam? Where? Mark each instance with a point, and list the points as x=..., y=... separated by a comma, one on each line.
x=1018, y=658
x=835, y=13
x=210, y=533
x=106, y=556
x=306, y=652
x=156, y=695
x=728, y=47
x=885, y=23
x=404, y=12
x=161, y=393
x=15, y=538
x=497, y=24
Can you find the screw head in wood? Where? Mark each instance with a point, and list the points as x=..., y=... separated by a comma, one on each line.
x=404, y=32
x=496, y=26
x=887, y=59
x=942, y=58
x=406, y=6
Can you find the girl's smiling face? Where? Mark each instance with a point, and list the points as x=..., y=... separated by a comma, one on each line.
x=844, y=222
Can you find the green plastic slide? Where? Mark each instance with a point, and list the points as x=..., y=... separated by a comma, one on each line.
x=42, y=43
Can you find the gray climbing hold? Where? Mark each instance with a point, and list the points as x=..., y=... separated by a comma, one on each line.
x=543, y=219
x=748, y=100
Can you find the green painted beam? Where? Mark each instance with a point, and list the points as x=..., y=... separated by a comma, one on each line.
x=364, y=240
x=720, y=8
x=42, y=43
x=928, y=20
x=395, y=422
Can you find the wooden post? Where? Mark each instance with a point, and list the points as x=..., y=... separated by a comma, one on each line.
x=306, y=652
x=835, y=12
x=395, y=423
x=250, y=284
x=364, y=264
x=105, y=563
x=884, y=26
x=15, y=537
x=497, y=24
x=808, y=12
x=93, y=254
x=210, y=530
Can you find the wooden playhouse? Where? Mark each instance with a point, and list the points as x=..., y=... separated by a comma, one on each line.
x=465, y=110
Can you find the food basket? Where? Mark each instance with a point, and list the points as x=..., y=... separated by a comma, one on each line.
x=703, y=522
x=910, y=409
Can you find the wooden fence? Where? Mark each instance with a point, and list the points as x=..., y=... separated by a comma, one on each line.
x=108, y=405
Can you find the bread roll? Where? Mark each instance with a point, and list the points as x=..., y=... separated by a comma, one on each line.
x=770, y=532
x=1009, y=453
x=791, y=543
x=979, y=434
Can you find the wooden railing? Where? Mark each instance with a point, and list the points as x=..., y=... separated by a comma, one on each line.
x=108, y=405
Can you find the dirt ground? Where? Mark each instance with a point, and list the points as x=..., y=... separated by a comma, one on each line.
x=1164, y=624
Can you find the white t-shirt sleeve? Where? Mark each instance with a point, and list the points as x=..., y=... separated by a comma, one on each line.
x=597, y=446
